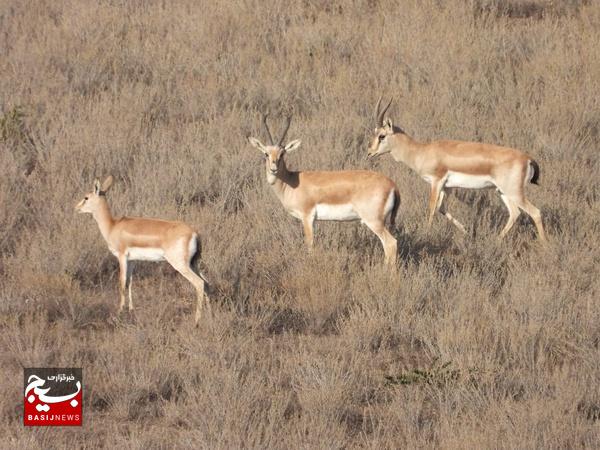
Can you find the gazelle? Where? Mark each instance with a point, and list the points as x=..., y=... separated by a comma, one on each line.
x=343, y=196
x=470, y=165
x=135, y=239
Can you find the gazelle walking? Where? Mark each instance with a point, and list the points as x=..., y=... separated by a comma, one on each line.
x=470, y=165
x=140, y=239
x=342, y=196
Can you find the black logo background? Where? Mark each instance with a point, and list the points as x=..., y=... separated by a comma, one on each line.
x=57, y=388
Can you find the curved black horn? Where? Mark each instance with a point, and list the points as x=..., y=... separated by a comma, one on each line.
x=267, y=128
x=287, y=127
x=377, y=110
x=382, y=113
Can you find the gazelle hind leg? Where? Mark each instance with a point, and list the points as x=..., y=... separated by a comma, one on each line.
x=186, y=271
x=536, y=215
x=194, y=264
x=442, y=210
x=201, y=296
x=390, y=245
x=513, y=214
x=198, y=283
x=207, y=303
x=205, y=291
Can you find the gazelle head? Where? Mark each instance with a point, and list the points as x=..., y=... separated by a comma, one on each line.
x=92, y=201
x=381, y=142
x=274, y=153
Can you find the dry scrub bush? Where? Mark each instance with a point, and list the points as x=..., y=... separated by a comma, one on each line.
x=474, y=343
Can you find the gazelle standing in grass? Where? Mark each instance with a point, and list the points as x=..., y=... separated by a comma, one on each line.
x=459, y=164
x=139, y=239
x=343, y=195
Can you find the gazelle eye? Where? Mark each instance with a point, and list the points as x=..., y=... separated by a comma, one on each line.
x=85, y=198
x=381, y=137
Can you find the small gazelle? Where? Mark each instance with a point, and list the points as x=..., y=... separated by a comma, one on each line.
x=139, y=239
x=459, y=164
x=342, y=195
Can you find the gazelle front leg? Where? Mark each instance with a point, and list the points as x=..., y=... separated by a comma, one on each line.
x=436, y=188
x=123, y=279
x=442, y=209
x=308, y=222
x=128, y=282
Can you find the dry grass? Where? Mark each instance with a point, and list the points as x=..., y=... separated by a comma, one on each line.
x=475, y=343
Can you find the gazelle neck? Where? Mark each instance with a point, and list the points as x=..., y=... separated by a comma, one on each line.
x=104, y=218
x=282, y=180
x=405, y=149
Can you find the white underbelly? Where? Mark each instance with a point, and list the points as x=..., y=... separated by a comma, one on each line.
x=145, y=254
x=461, y=180
x=336, y=212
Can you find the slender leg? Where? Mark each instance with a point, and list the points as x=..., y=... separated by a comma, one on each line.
x=535, y=214
x=308, y=223
x=391, y=248
x=204, y=291
x=122, y=280
x=442, y=209
x=390, y=245
x=436, y=188
x=513, y=214
x=207, y=302
x=201, y=296
x=129, y=282
x=441, y=199
x=197, y=281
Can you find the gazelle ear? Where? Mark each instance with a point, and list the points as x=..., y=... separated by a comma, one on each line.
x=388, y=124
x=293, y=145
x=256, y=143
x=107, y=183
x=96, y=186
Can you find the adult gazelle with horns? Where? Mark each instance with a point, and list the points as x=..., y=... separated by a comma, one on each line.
x=459, y=164
x=346, y=195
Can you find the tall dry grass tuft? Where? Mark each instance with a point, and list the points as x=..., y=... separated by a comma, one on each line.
x=474, y=343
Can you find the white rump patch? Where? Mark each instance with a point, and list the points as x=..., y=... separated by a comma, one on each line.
x=462, y=180
x=192, y=246
x=336, y=212
x=530, y=173
x=145, y=254
x=389, y=204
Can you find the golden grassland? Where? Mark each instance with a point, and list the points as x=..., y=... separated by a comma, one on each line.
x=474, y=343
